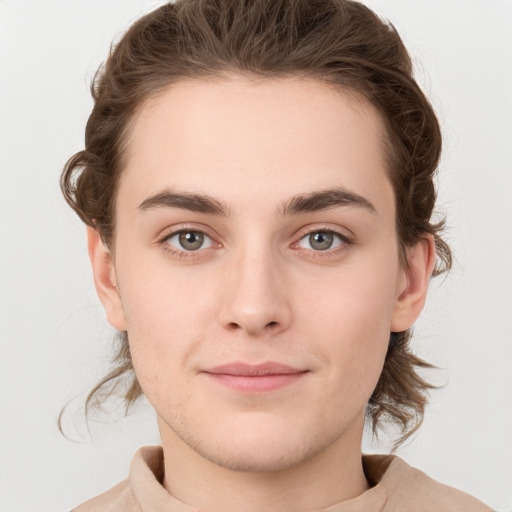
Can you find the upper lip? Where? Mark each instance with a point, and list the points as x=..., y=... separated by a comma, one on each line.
x=253, y=370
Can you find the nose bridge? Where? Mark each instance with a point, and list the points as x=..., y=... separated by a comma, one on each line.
x=255, y=300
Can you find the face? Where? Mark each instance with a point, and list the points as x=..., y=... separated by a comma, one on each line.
x=256, y=267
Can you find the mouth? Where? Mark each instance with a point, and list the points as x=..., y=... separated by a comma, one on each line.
x=258, y=378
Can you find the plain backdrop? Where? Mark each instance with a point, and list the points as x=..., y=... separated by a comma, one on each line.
x=55, y=343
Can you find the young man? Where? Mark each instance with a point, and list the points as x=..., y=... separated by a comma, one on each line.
x=258, y=186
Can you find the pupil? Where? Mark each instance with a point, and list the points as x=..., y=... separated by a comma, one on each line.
x=321, y=241
x=191, y=240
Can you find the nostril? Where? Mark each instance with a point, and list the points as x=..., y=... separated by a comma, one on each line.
x=271, y=324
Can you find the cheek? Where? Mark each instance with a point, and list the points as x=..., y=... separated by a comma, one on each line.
x=155, y=296
x=357, y=298
x=162, y=319
x=349, y=319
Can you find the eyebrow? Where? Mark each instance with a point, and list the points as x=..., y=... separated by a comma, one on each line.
x=302, y=203
x=324, y=200
x=188, y=201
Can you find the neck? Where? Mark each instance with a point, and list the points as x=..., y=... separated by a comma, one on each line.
x=332, y=476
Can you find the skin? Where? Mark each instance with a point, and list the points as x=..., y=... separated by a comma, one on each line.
x=259, y=288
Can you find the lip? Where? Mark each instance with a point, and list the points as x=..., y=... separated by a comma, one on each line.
x=255, y=378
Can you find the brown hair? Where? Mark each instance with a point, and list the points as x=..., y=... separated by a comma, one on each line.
x=339, y=42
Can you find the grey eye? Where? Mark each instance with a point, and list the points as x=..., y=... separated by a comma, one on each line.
x=189, y=240
x=320, y=240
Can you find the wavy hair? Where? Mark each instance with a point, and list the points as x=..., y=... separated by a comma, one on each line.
x=340, y=42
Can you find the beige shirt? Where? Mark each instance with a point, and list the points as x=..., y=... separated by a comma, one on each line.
x=396, y=487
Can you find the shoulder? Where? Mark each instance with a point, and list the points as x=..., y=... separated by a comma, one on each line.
x=142, y=490
x=403, y=486
x=117, y=499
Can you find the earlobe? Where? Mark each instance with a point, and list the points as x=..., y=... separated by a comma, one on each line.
x=411, y=299
x=105, y=279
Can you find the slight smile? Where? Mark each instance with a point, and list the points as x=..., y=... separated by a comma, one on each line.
x=259, y=378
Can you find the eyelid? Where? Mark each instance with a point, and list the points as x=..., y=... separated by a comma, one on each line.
x=173, y=230
x=345, y=234
x=169, y=232
x=206, y=240
x=345, y=238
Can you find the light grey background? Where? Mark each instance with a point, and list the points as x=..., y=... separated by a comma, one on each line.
x=55, y=343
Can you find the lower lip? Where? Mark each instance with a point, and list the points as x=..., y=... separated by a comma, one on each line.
x=257, y=383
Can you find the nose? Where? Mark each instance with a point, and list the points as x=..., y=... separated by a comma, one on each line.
x=255, y=299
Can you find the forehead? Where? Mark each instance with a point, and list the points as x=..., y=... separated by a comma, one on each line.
x=273, y=137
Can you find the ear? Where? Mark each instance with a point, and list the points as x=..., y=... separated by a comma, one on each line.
x=105, y=279
x=414, y=284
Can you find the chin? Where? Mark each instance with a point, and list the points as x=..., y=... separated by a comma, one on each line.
x=257, y=458
x=261, y=448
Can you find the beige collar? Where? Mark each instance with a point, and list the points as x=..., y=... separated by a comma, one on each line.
x=396, y=487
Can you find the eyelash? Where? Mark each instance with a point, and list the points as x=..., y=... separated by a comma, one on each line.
x=177, y=253
x=184, y=254
x=343, y=237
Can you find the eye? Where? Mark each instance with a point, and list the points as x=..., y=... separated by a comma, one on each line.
x=321, y=240
x=189, y=240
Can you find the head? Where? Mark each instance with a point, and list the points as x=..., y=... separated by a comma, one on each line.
x=189, y=108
